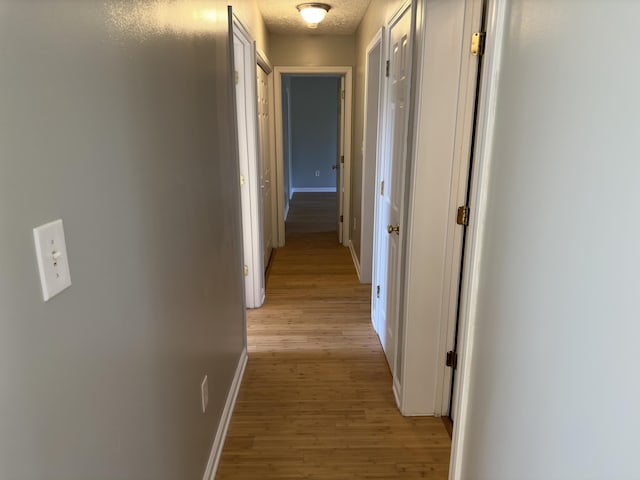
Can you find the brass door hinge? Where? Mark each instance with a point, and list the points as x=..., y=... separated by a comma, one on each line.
x=341, y=218
x=382, y=187
x=477, y=43
x=246, y=271
x=342, y=94
x=241, y=179
x=377, y=291
x=341, y=158
x=237, y=77
x=463, y=216
x=452, y=359
x=387, y=69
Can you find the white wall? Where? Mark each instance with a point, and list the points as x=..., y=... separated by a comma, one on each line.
x=115, y=117
x=554, y=389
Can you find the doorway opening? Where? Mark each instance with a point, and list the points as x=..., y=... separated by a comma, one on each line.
x=313, y=142
x=312, y=148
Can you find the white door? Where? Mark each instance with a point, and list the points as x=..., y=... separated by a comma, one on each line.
x=244, y=61
x=392, y=193
x=265, y=164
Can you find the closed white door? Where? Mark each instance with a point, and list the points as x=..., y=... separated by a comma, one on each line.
x=393, y=190
x=265, y=165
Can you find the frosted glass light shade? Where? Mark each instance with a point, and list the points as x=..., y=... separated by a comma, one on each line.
x=313, y=13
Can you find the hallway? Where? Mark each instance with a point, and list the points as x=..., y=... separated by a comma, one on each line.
x=316, y=399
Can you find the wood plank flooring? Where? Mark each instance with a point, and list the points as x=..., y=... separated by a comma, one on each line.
x=316, y=400
x=312, y=212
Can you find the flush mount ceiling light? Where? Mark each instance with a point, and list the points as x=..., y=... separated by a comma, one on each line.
x=313, y=13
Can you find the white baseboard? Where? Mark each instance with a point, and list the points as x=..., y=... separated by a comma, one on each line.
x=313, y=190
x=396, y=394
x=225, y=420
x=356, y=262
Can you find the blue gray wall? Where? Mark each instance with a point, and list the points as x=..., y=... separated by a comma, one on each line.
x=314, y=130
x=115, y=116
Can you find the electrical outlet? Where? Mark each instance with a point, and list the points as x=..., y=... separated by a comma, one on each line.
x=51, y=253
x=317, y=173
x=204, y=392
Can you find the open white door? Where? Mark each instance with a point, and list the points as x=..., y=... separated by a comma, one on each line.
x=391, y=181
x=265, y=161
x=244, y=62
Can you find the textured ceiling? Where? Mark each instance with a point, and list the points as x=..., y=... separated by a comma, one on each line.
x=281, y=16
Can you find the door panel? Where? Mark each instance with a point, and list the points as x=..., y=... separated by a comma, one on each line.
x=398, y=89
x=265, y=165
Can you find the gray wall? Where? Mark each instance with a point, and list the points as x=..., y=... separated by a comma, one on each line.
x=314, y=131
x=115, y=117
x=312, y=50
x=554, y=388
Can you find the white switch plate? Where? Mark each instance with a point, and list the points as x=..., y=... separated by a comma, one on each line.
x=204, y=390
x=53, y=263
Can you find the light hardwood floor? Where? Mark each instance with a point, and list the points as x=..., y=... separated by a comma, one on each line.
x=316, y=400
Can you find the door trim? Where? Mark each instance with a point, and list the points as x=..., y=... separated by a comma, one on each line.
x=345, y=71
x=496, y=14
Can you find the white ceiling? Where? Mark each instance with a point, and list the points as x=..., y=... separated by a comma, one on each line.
x=281, y=16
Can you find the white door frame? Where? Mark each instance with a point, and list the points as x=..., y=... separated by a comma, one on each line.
x=246, y=107
x=458, y=196
x=345, y=71
x=369, y=165
x=495, y=18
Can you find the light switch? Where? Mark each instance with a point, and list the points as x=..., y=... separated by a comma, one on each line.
x=53, y=264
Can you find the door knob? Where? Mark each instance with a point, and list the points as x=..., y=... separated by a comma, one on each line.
x=391, y=229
